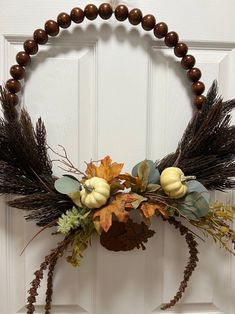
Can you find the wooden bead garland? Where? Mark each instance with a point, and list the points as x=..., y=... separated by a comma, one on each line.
x=105, y=11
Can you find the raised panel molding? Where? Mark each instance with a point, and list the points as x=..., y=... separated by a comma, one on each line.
x=84, y=52
x=83, y=110
x=193, y=308
x=60, y=309
x=165, y=73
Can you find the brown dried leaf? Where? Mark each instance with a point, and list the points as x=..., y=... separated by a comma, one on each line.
x=134, y=183
x=117, y=207
x=149, y=210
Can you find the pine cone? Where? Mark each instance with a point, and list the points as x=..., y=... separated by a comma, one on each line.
x=126, y=236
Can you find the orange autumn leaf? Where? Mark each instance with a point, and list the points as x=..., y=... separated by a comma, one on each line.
x=91, y=170
x=106, y=170
x=117, y=207
x=149, y=210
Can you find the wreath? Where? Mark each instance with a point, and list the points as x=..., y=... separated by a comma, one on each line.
x=103, y=200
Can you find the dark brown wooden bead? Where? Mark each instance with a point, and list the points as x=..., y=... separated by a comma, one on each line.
x=17, y=72
x=181, y=50
x=12, y=99
x=40, y=36
x=194, y=74
x=91, y=12
x=22, y=58
x=52, y=28
x=171, y=39
x=64, y=20
x=135, y=16
x=148, y=22
x=121, y=12
x=13, y=86
x=160, y=30
x=188, y=62
x=77, y=15
x=199, y=101
x=31, y=47
x=198, y=88
x=105, y=11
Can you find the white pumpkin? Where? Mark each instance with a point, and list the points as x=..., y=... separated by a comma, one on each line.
x=95, y=192
x=173, y=182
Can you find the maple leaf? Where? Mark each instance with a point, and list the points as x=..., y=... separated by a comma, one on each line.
x=149, y=210
x=117, y=207
x=107, y=170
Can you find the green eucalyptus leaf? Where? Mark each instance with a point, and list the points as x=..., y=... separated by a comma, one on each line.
x=138, y=201
x=70, y=176
x=143, y=172
x=194, y=206
x=154, y=176
x=153, y=187
x=196, y=186
x=147, y=167
x=67, y=185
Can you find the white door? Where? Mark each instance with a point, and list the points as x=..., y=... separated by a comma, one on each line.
x=110, y=88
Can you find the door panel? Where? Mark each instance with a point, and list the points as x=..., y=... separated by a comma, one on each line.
x=109, y=88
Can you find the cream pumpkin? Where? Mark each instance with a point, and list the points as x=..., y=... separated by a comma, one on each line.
x=95, y=192
x=173, y=182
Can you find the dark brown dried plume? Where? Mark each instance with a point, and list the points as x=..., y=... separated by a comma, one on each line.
x=9, y=110
x=126, y=236
x=14, y=181
x=49, y=291
x=49, y=262
x=25, y=167
x=192, y=263
x=22, y=146
x=40, y=135
x=43, y=208
x=207, y=148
